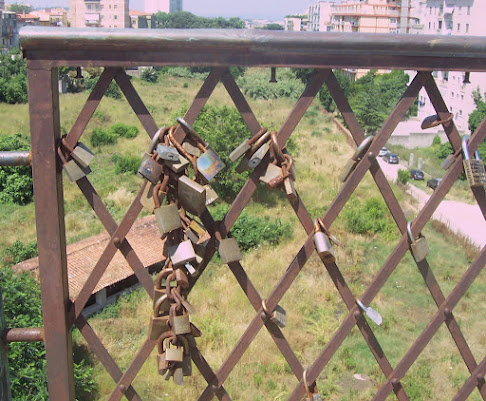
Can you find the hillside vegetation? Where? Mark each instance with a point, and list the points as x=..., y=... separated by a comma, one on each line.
x=314, y=307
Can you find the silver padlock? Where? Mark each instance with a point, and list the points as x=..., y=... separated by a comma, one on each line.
x=73, y=170
x=229, y=250
x=474, y=168
x=322, y=242
x=419, y=246
x=191, y=195
x=357, y=156
x=240, y=150
x=182, y=253
x=168, y=153
x=82, y=154
x=258, y=156
x=174, y=353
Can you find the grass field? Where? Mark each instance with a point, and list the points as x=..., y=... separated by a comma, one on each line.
x=314, y=307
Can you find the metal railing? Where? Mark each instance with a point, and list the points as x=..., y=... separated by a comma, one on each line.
x=46, y=49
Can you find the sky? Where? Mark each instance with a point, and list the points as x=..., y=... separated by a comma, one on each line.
x=251, y=9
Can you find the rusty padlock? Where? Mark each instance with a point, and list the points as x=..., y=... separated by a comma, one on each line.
x=158, y=323
x=229, y=250
x=180, y=324
x=191, y=195
x=162, y=363
x=246, y=145
x=167, y=216
x=73, y=170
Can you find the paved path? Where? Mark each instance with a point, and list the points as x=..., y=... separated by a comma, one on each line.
x=461, y=218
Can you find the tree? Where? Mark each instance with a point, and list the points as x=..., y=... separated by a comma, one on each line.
x=273, y=27
x=20, y=8
x=369, y=111
x=187, y=20
x=13, y=78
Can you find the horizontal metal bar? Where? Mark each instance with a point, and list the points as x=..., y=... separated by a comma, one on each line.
x=15, y=158
x=23, y=334
x=225, y=47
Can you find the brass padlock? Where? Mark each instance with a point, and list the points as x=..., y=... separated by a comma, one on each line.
x=419, y=246
x=158, y=324
x=147, y=198
x=191, y=195
x=174, y=353
x=180, y=324
x=162, y=363
x=229, y=250
x=167, y=216
x=150, y=169
x=322, y=242
x=357, y=156
x=168, y=153
x=474, y=168
x=182, y=253
x=73, y=170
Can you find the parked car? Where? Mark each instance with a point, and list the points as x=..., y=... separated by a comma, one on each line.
x=391, y=158
x=383, y=152
x=434, y=183
x=417, y=174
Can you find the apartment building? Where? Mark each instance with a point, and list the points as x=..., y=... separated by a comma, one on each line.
x=454, y=17
x=319, y=16
x=9, y=36
x=99, y=13
x=141, y=20
x=165, y=6
x=2, y=5
x=295, y=23
x=48, y=16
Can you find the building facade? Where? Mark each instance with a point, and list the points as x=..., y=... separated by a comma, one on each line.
x=9, y=31
x=295, y=23
x=319, y=16
x=165, y=6
x=454, y=17
x=99, y=13
x=141, y=20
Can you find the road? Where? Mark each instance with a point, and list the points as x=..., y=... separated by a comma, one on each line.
x=461, y=218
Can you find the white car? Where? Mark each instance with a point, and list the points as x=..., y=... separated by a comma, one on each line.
x=383, y=151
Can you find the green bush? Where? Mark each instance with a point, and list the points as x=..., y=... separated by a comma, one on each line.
x=113, y=90
x=126, y=164
x=15, y=182
x=22, y=308
x=13, y=78
x=257, y=85
x=149, y=74
x=443, y=150
x=101, y=136
x=436, y=141
x=253, y=231
x=123, y=130
x=371, y=218
x=403, y=176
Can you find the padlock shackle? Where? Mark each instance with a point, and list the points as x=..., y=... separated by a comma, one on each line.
x=257, y=136
x=258, y=144
x=465, y=150
x=276, y=148
x=156, y=139
x=162, y=338
x=409, y=232
x=158, y=304
x=362, y=148
x=306, y=385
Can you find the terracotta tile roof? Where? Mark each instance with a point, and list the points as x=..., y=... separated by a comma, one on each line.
x=139, y=13
x=82, y=256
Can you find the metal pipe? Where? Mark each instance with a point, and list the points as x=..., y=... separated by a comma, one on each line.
x=21, y=158
x=23, y=334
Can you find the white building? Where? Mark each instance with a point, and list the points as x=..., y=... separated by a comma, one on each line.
x=320, y=16
x=165, y=6
x=454, y=17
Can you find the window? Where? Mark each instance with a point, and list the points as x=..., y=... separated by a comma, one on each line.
x=467, y=28
x=458, y=27
x=115, y=6
x=462, y=97
x=460, y=112
x=452, y=94
x=440, y=24
x=116, y=17
x=429, y=25
x=468, y=10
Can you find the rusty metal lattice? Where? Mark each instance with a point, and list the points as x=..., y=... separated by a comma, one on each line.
x=117, y=49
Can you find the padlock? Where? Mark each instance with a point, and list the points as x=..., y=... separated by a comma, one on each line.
x=278, y=316
x=158, y=324
x=243, y=165
x=191, y=149
x=370, y=312
x=246, y=145
x=179, y=166
x=474, y=168
x=168, y=374
x=418, y=247
x=434, y=121
x=174, y=353
x=73, y=170
x=160, y=287
x=201, y=232
x=229, y=250
x=258, y=156
x=178, y=375
x=271, y=172
x=150, y=169
x=211, y=194
x=289, y=188
x=168, y=153
x=182, y=253
x=82, y=154
x=180, y=324
x=191, y=195
x=167, y=216
x=187, y=364
x=278, y=181
x=147, y=198
x=181, y=278
x=322, y=242
x=162, y=363
x=357, y=156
